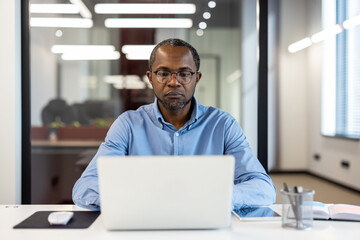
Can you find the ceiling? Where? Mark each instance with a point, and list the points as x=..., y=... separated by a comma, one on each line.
x=225, y=14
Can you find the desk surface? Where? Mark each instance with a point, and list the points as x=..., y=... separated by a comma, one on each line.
x=11, y=215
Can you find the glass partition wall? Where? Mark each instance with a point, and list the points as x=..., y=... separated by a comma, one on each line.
x=88, y=62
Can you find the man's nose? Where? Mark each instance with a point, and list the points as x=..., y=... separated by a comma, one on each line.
x=173, y=80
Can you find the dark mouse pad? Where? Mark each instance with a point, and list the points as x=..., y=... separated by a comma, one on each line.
x=81, y=219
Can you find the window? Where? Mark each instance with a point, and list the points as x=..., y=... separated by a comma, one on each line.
x=341, y=72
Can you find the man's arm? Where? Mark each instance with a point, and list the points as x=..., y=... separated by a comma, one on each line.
x=86, y=189
x=253, y=187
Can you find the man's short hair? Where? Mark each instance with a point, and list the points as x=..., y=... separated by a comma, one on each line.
x=175, y=42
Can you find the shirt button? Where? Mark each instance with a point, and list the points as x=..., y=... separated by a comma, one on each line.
x=177, y=134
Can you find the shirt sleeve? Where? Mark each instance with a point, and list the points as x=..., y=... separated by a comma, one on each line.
x=85, y=192
x=252, y=185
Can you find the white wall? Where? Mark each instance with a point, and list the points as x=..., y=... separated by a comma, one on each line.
x=10, y=114
x=293, y=89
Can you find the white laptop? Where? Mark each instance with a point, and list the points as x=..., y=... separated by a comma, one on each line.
x=165, y=192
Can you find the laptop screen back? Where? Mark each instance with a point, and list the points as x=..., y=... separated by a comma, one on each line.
x=166, y=192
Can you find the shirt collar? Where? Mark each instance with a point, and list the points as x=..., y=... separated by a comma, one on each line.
x=157, y=112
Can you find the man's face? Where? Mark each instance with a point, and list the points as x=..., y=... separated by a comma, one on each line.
x=172, y=94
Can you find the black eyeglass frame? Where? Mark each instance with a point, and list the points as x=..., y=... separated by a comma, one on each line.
x=176, y=74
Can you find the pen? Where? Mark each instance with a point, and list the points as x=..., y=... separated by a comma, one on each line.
x=298, y=202
x=293, y=206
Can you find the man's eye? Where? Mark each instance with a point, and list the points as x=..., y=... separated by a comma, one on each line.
x=163, y=74
x=184, y=74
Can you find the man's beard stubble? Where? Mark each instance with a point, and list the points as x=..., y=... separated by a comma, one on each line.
x=175, y=105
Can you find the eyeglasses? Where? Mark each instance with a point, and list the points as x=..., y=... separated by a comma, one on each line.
x=183, y=77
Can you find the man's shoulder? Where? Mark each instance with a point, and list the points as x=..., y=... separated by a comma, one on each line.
x=131, y=118
x=213, y=112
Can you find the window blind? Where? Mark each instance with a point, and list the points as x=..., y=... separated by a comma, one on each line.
x=341, y=72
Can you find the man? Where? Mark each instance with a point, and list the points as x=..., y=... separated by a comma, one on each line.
x=175, y=124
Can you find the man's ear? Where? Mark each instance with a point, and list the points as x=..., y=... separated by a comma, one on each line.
x=198, y=76
x=148, y=74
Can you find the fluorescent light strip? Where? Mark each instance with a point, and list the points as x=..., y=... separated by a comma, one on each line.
x=54, y=8
x=145, y=8
x=82, y=48
x=137, y=52
x=137, y=48
x=125, y=81
x=119, y=79
x=91, y=56
x=234, y=76
x=297, y=46
x=135, y=56
x=84, y=11
x=140, y=85
x=147, y=82
x=61, y=22
x=112, y=79
x=148, y=23
x=327, y=33
x=352, y=22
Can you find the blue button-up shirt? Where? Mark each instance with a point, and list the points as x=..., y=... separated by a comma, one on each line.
x=209, y=131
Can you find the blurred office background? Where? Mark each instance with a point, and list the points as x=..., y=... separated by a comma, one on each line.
x=86, y=69
x=76, y=94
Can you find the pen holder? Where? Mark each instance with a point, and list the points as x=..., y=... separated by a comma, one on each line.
x=297, y=208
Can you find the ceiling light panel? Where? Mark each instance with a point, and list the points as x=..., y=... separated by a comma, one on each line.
x=212, y=4
x=326, y=34
x=54, y=8
x=145, y=8
x=61, y=22
x=137, y=52
x=148, y=23
x=135, y=56
x=120, y=79
x=84, y=11
x=137, y=48
x=352, y=22
x=206, y=15
x=115, y=55
x=82, y=48
x=299, y=45
x=125, y=81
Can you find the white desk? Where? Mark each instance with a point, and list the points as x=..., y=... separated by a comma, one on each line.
x=12, y=215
